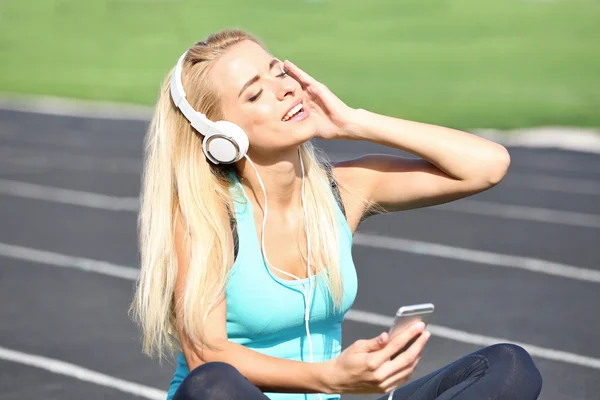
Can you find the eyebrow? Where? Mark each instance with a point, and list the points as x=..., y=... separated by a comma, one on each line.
x=255, y=78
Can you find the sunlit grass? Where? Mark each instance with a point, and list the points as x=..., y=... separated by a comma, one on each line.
x=461, y=63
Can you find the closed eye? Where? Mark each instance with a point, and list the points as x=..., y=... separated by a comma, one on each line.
x=252, y=99
x=255, y=97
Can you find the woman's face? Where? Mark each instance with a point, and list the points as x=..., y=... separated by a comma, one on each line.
x=257, y=96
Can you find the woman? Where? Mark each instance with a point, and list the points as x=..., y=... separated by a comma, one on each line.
x=246, y=266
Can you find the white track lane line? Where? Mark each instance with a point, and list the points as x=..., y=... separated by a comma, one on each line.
x=479, y=340
x=67, y=196
x=75, y=108
x=83, y=374
x=477, y=256
x=547, y=163
x=555, y=184
x=524, y=213
x=577, y=186
x=61, y=260
x=114, y=203
x=111, y=203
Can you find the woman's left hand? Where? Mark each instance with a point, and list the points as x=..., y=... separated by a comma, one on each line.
x=332, y=115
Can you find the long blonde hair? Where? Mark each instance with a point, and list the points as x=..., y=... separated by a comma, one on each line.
x=178, y=179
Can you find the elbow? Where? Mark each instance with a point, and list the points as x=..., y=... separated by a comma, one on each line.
x=500, y=161
x=494, y=166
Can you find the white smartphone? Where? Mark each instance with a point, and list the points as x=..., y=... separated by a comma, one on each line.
x=408, y=315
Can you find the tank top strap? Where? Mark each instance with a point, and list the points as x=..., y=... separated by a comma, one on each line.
x=335, y=190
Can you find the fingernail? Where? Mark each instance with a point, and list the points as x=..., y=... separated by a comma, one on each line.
x=420, y=325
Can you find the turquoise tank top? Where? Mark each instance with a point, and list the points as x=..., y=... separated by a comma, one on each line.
x=266, y=313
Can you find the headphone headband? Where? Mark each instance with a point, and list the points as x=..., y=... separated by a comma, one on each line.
x=197, y=119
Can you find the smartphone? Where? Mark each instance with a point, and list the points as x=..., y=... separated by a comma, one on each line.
x=408, y=315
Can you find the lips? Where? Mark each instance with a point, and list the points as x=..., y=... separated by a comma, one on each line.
x=296, y=108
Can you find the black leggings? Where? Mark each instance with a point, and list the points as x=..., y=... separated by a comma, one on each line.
x=498, y=372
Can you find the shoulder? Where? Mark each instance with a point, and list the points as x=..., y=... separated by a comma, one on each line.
x=352, y=181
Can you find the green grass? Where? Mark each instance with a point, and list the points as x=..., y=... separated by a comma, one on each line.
x=460, y=63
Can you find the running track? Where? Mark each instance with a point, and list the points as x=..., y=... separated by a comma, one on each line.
x=520, y=262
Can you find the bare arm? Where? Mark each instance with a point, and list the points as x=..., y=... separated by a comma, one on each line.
x=364, y=367
x=453, y=164
x=270, y=374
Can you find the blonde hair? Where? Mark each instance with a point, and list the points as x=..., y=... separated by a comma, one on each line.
x=178, y=179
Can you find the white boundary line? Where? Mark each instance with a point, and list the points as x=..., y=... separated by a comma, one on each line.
x=74, y=107
x=479, y=340
x=555, y=184
x=537, y=214
x=83, y=374
x=40, y=158
x=477, y=256
x=541, y=162
x=89, y=265
x=64, y=261
x=574, y=139
x=131, y=204
x=67, y=196
x=568, y=138
x=466, y=206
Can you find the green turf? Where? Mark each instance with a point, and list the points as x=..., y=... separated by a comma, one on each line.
x=461, y=63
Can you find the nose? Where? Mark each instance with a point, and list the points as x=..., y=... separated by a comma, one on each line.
x=286, y=88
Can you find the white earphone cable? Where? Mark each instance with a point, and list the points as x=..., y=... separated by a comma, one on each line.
x=264, y=223
x=309, y=270
x=307, y=294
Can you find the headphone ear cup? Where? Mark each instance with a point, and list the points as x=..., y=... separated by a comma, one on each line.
x=225, y=143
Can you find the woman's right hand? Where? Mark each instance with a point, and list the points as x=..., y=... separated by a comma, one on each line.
x=367, y=365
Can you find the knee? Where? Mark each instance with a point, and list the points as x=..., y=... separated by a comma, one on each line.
x=214, y=380
x=518, y=365
x=216, y=371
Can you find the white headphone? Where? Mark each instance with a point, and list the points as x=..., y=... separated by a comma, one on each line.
x=224, y=142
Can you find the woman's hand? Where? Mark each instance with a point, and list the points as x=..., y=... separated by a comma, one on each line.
x=332, y=115
x=366, y=366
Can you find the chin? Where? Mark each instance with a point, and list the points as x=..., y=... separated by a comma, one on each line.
x=304, y=132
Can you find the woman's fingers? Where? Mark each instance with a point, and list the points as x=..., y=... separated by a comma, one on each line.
x=373, y=344
x=400, y=378
x=396, y=343
x=411, y=354
x=393, y=369
x=295, y=72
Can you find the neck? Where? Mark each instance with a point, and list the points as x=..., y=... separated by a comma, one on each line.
x=281, y=177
